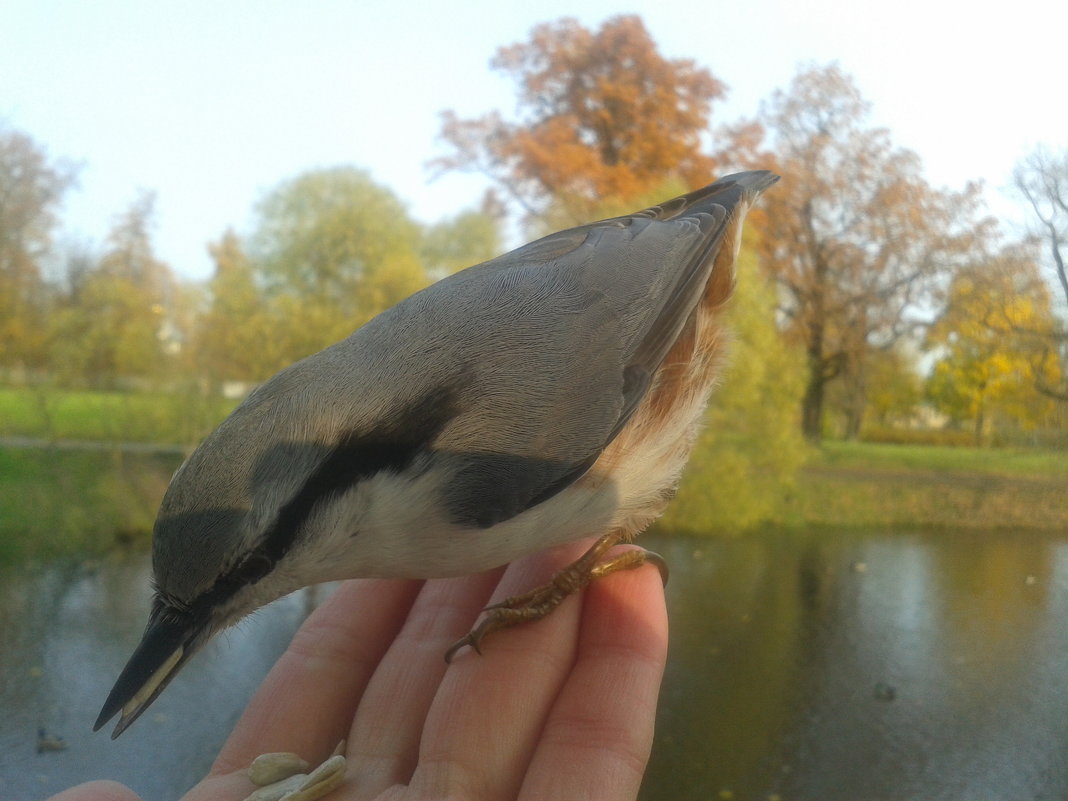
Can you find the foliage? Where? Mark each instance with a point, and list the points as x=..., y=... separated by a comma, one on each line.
x=750, y=449
x=468, y=238
x=335, y=233
x=165, y=418
x=332, y=249
x=894, y=386
x=602, y=116
x=856, y=237
x=891, y=391
x=992, y=360
x=31, y=190
x=115, y=322
x=235, y=338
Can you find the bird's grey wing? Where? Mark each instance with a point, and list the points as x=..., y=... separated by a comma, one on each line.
x=580, y=323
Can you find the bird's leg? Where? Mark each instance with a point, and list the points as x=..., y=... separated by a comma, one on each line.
x=539, y=602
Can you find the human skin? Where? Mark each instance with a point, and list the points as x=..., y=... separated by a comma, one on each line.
x=560, y=708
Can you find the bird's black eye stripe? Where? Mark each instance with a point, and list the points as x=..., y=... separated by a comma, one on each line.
x=357, y=456
x=354, y=457
x=250, y=570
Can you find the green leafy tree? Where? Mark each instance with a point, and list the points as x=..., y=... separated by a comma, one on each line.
x=234, y=335
x=468, y=238
x=751, y=447
x=117, y=324
x=895, y=388
x=992, y=360
x=31, y=190
x=332, y=248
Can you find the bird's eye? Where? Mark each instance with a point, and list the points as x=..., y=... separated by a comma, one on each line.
x=255, y=567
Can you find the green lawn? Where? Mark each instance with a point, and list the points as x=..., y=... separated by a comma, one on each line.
x=940, y=458
x=903, y=487
x=109, y=416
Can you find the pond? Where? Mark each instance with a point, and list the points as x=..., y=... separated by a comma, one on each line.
x=822, y=666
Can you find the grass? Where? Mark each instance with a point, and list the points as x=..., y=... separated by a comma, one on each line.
x=942, y=458
x=901, y=487
x=54, y=414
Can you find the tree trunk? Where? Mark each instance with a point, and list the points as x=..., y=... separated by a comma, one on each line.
x=812, y=409
x=856, y=397
x=980, y=421
x=812, y=402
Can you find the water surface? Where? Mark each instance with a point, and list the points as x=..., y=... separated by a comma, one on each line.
x=823, y=666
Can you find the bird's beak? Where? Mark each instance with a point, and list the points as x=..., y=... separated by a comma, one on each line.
x=166, y=645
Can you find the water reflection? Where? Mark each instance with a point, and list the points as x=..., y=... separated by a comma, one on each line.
x=824, y=666
x=65, y=631
x=867, y=667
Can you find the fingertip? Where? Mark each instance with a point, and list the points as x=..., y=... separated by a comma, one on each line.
x=597, y=740
x=307, y=701
x=628, y=609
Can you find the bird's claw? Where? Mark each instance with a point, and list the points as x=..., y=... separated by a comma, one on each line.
x=540, y=601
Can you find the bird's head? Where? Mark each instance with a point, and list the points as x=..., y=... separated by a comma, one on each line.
x=267, y=504
x=232, y=534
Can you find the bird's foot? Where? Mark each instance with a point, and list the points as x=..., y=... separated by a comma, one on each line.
x=281, y=776
x=540, y=601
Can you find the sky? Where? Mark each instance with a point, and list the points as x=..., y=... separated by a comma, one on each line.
x=211, y=104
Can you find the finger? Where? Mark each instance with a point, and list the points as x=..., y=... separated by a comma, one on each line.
x=97, y=791
x=307, y=701
x=599, y=734
x=483, y=726
x=385, y=736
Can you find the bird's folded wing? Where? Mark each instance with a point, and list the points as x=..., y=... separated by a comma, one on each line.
x=586, y=319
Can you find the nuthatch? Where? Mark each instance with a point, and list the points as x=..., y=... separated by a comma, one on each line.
x=548, y=395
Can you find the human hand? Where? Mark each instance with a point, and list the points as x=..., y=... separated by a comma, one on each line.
x=560, y=708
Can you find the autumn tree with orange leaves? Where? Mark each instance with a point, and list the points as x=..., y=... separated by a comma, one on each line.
x=605, y=125
x=603, y=118
x=857, y=239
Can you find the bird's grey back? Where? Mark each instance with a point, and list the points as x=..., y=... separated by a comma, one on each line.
x=514, y=374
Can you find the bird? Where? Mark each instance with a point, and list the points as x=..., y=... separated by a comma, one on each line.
x=545, y=396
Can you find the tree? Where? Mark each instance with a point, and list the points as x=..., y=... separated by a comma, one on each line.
x=117, y=324
x=31, y=189
x=751, y=446
x=857, y=238
x=1042, y=180
x=332, y=248
x=895, y=388
x=602, y=117
x=992, y=362
x=234, y=334
x=468, y=238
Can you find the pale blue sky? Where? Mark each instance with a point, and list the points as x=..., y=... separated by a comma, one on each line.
x=210, y=104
